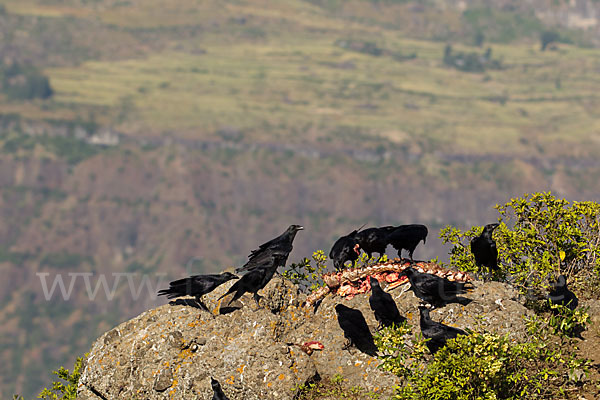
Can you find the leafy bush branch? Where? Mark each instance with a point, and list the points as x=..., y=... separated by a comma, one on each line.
x=540, y=237
x=305, y=274
x=308, y=273
x=480, y=366
x=60, y=390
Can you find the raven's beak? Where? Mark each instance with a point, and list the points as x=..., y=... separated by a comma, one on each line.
x=300, y=227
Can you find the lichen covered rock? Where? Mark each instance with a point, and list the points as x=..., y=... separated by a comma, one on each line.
x=256, y=352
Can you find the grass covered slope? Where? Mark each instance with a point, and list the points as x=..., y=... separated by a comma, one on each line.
x=318, y=71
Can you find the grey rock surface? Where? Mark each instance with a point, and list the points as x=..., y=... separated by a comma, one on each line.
x=173, y=350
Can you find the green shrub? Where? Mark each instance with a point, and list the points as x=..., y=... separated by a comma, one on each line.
x=331, y=388
x=566, y=322
x=399, y=351
x=471, y=61
x=310, y=278
x=305, y=275
x=547, y=38
x=59, y=390
x=541, y=237
x=20, y=82
x=479, y=366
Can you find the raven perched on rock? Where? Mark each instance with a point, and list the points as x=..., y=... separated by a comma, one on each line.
x=433, y=289
x=561, y=295
x=356, y=329
x=436, y=332
x=217, y=391
x=280, y=246
x=345, y=249
x=484, y=248
x=384, y=306
x=257, y=278
x=197, y=286
x=407, y=237
x=374, y=240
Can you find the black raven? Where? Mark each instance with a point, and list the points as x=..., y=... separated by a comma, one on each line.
x=217, y=391
x=433, y=289
x=345, y=249
x=197, y=286
x=257, y=278
x=561, y=295
x=374, y=240
x=484, y=249
x=384, y=306
x=407, y=237
x=356, y=329
x=436, y=332
x=281, y=245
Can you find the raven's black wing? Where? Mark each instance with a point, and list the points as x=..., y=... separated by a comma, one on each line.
x=438, y=334
x=385, y=309
x=217, y=391
x=256, y=279
x=432, y=284
x=195, y=285
x=342, y=251
x=355, y=329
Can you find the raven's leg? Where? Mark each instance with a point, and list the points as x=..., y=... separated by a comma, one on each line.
x=201, y=304
x=257, y=298
x=348, y=344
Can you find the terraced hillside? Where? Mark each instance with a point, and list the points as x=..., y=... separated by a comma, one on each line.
x=179, y=135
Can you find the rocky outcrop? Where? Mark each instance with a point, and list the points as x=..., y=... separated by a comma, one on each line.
x=173, y=350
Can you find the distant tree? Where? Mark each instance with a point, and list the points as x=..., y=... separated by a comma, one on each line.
x=472, y=61
x=548, y=37
x=488, y=54
x=448, y=60
x=21, y=82
x=479, y=38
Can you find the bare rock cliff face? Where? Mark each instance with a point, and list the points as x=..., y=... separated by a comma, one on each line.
x=173, y=350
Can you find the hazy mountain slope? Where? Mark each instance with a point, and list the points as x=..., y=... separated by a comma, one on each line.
x=157, y=211
x=237, y=118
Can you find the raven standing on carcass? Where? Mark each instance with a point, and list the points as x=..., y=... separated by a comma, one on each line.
x=280, y=246
x=355, y=329
x=484, y=249
x=436, y=332
x=433, y=289
x=407, y=237
x=561, y=295
x=345, y=249
x=383, y=306
x=374, y=240
x=197, y=286
x=217, y=391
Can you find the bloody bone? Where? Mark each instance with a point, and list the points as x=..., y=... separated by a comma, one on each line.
x=349, y=282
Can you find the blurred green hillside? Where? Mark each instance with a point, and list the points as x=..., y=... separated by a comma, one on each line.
x=175, y=136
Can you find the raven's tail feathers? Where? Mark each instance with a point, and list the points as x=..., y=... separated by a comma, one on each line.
x=171, y=292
